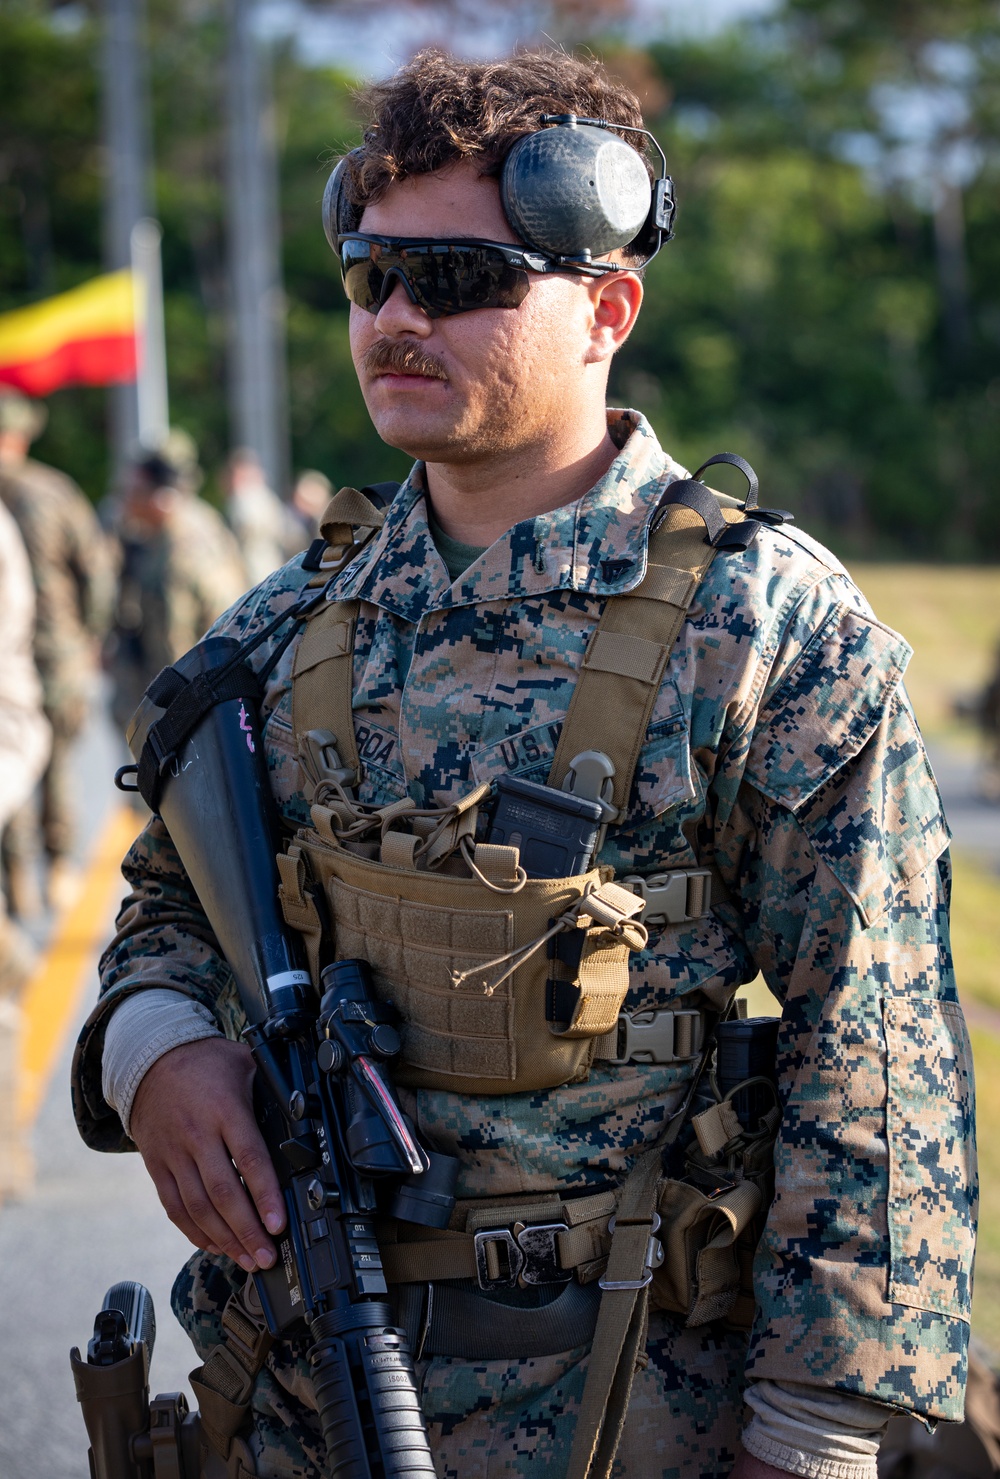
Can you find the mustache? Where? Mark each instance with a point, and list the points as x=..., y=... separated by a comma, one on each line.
x=389, y=357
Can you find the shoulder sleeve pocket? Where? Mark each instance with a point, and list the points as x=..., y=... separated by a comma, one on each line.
x=828, y=704
x=837, y=745
x=932, y=1158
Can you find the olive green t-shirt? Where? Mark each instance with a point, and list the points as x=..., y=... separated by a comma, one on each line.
x=457, y=557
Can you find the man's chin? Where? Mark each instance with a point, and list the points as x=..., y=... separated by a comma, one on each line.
x=422, y=442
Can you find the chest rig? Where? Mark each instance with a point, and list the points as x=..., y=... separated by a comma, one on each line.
x=432, y=910
x=504, y=984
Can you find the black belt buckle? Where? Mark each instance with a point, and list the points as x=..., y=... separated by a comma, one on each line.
x=504, y=1261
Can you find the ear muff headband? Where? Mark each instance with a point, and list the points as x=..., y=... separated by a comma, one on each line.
x=339, y=215
x=573, y=192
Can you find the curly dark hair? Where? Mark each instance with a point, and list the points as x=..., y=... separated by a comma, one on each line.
x=437, y=110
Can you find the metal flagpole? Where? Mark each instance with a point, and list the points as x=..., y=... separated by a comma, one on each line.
x=151, y=383
x=257, y=387
x=126, y=174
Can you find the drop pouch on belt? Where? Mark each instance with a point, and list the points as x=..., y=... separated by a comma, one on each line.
x=502, y=984
x=712, y=1219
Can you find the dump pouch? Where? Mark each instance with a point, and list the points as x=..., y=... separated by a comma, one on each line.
x=498, y=992
x=713, y=1217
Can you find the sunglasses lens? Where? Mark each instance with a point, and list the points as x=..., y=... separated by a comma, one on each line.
x=363, y=277
x=441, y=278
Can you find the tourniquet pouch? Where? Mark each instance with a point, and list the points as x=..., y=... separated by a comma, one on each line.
x=497, y=992
x=712, y=1219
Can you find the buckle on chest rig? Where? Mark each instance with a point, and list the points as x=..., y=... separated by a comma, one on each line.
x=526, y=1255
x=672, y=898
x=666, y=1036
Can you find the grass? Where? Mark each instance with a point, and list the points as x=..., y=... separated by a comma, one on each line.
x=975, y=930
x=986, y=1290
x=950, y=615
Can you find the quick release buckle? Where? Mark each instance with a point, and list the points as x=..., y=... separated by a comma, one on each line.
x=526, y=1255
x=653, y=1259
x=666, y=1036
x=672, y=898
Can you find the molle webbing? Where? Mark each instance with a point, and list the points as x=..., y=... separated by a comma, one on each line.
x=622, y=668
x=628, y=653
x=322, y=675
x=322, y=686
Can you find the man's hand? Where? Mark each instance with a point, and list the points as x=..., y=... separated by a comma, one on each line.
x=192, y=1118
x=748, y=1467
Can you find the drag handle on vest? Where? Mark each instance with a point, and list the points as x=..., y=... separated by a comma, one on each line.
x=323, y=1099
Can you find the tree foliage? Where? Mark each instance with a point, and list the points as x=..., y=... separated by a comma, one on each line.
x=829, y=308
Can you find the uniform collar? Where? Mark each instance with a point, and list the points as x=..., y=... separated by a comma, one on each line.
x=596, y=546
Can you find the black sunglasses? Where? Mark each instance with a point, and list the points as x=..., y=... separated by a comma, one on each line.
x=441, y=277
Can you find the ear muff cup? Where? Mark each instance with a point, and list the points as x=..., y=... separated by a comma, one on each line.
x=573, y=189
x=339, y=215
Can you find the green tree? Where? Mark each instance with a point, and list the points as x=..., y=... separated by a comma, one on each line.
x=804, y=314
x=828, y=307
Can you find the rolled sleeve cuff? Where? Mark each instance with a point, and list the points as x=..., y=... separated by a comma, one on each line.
x=817, y=1433
x=141, y=1030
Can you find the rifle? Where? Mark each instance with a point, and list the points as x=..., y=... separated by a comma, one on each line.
x=327, y=1111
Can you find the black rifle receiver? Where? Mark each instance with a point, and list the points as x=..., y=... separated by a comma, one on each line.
x=328, y=1114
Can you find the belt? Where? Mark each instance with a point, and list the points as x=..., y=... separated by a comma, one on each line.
x=442, y=1320
x=505, y=1245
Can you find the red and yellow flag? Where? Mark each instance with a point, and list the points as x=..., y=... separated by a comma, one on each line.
x=87, y=336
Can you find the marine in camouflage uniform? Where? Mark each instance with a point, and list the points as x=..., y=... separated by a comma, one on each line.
x=182, y=568
x=73, y=573
x=782, y=748
x=24, y=742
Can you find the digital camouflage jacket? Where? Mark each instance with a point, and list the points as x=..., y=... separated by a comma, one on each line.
x=72, y=566
x=783, y=749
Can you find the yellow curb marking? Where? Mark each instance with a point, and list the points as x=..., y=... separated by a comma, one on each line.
x=53, y=993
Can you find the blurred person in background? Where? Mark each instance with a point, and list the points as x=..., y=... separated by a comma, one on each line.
x=267, y=531
x=24, y=731
x=73, y=573
x=310, y=496
x=181, y=569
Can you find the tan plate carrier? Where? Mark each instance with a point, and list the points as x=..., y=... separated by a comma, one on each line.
x=437, y=943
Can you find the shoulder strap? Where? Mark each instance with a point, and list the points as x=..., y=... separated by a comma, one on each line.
x=322, y=674
x=626, y=657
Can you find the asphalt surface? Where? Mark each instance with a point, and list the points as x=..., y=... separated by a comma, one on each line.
x=974, y=821
x=94, y=1219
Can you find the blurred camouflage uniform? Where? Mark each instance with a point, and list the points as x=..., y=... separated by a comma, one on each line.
x=268, y=531
x=74, y=588
x=783, y=748
x=178, y=575
x=24, y=733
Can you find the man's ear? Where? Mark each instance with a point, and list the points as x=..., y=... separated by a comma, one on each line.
x=616, y=299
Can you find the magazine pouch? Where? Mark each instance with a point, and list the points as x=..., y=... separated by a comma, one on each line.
x=502, y=984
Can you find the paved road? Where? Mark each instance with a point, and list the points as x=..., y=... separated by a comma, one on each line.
x=974, y=822
x=94, y=1219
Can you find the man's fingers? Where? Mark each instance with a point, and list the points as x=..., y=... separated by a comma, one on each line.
x=218, y=1200
x=210, y=1225
x=192, y=1116
x=173, y=1204
x=255, y=1166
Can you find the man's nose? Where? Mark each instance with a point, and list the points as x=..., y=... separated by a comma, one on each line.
x=398, y=314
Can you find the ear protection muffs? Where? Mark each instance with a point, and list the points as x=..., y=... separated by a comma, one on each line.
x=340, y=217
x=571, y=191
